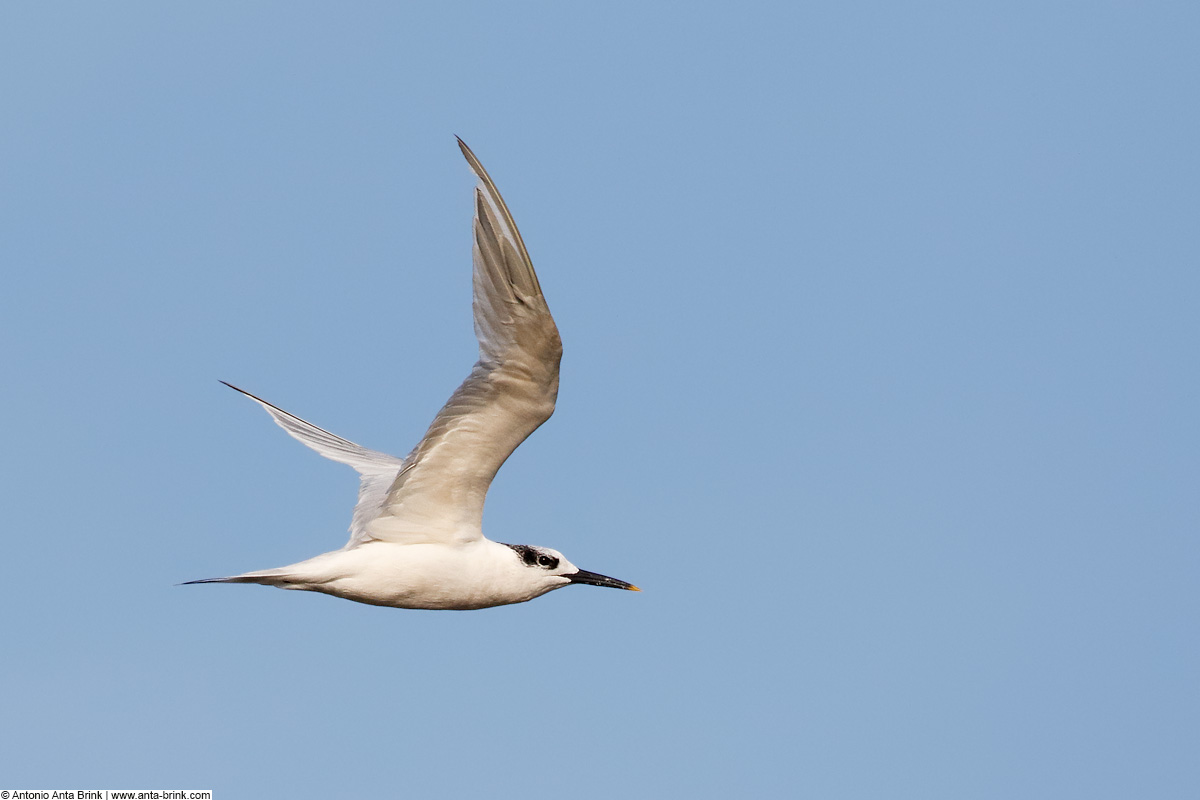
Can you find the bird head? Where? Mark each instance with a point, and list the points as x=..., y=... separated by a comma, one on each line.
x=551, y=570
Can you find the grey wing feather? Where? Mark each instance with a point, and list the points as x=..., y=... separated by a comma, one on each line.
x=511, y=390
x=376, y=470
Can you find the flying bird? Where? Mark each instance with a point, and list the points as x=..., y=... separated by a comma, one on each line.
x=416, y=538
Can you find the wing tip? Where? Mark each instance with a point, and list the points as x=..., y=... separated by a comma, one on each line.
x=255, y=398
x=466, y=151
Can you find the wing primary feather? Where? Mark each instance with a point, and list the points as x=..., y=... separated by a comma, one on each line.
x=494, y=198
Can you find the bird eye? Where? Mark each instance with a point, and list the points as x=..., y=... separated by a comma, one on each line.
x=549, y=562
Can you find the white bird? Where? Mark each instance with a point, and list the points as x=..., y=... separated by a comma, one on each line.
x=416, y=539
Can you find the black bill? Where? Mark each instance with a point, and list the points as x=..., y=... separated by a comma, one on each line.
x=583, y=576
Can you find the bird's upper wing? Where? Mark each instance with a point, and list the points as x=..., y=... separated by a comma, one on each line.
x=377, y=470
x=439, y=494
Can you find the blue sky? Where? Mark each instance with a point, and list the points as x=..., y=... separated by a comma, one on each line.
x=880, y=380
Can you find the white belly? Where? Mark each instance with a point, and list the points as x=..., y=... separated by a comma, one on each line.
x=431, y=576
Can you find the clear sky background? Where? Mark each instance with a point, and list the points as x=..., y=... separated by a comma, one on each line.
x=881, y=326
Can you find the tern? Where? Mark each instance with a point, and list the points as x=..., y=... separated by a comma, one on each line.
x=416, y=538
